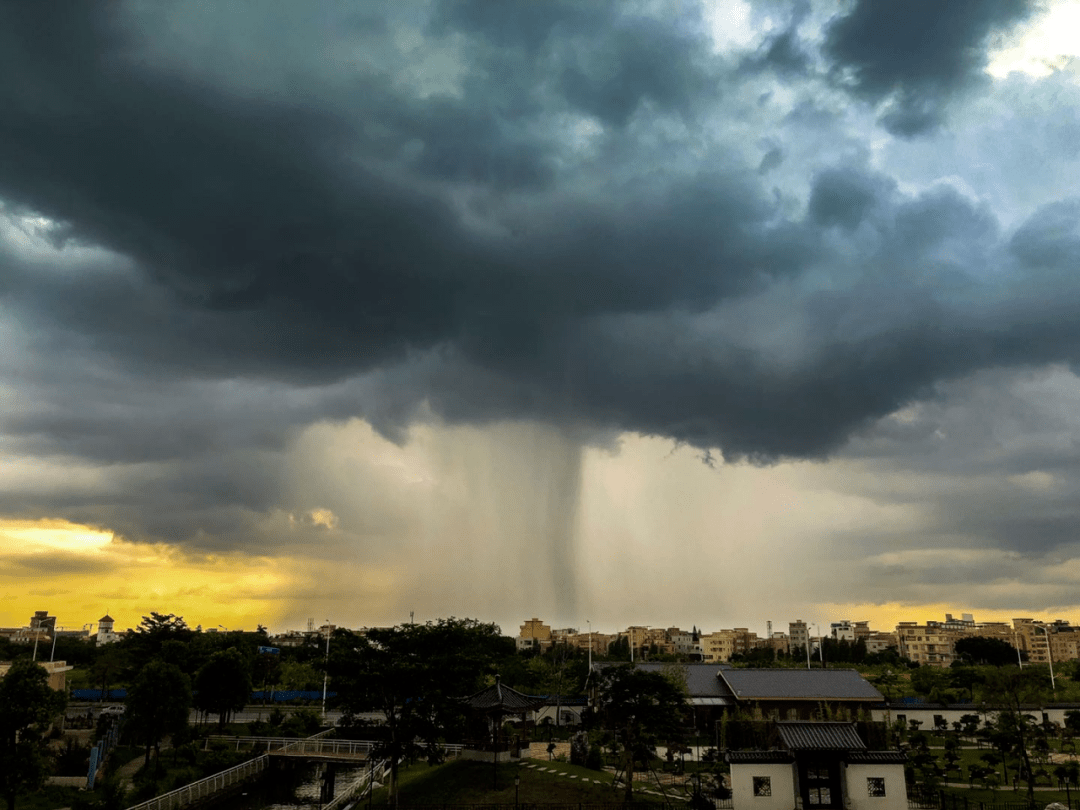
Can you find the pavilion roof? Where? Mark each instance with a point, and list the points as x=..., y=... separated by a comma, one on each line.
x=499, y=697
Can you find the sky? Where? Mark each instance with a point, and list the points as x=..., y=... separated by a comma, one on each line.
x=607, y=313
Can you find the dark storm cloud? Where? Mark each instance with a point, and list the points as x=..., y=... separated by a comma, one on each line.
x=917, y=53
x=585, y=216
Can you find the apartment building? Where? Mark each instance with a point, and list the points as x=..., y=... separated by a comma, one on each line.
x=798, y=635
x=877, y=642
x=1034, y=639
x=928, y=643
x=534, y=633
x=723, y=644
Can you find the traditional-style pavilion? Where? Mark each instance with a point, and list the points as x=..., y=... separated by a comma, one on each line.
x=494, y=704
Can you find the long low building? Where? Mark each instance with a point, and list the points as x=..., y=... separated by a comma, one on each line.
x=781, y=694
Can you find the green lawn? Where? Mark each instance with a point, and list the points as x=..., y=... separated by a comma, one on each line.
x=465, y=782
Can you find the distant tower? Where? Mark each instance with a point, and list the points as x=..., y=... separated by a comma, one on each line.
x=105, y=634
x=310, y=625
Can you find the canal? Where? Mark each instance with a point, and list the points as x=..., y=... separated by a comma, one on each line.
x=289, y=786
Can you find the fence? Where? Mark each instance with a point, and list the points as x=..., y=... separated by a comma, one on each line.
x=205, y=787
x=940, y=800
x=553, y=806
x=257, y=696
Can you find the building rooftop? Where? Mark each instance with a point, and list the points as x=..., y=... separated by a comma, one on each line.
x=798, y=684
x=819, y=736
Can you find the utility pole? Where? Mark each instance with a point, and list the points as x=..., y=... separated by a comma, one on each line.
x=326, y=664
x=590, y=643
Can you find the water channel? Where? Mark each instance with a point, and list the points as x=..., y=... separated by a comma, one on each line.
x=290, y=786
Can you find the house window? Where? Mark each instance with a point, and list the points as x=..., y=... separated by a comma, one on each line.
x=763, y=786
x=875, y=787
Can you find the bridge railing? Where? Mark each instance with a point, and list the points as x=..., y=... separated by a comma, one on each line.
x=268, y=743
x=317, y=744
x=188, y=794
x=377, y=771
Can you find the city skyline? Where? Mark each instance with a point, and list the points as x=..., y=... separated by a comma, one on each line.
x=620, y=311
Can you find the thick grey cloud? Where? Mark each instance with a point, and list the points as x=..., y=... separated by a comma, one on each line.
x=917, y=54
x=580, y=214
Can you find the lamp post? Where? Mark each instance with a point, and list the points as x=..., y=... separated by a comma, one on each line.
x=590, y=643
x=52, y=654
x=326, y=664
x=1049, y=657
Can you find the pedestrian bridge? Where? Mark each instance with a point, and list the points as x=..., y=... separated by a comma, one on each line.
x=318, y=747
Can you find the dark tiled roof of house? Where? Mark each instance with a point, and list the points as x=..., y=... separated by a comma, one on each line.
x=499, y=697
x=798, y=684
x=875, y=757
x=702, y=680
x=820, y=736
x=759, y=757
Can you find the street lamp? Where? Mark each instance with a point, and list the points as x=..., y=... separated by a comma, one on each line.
x=1049, y=656
x=327, y=663
x=590, y=643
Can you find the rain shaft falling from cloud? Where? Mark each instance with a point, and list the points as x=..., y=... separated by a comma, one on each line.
x=503, y=516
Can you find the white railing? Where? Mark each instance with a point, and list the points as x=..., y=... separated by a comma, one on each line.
x=316, y=744
x=205, y=787
x=379, y=769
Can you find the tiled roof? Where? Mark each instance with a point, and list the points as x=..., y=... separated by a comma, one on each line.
x=799, y=684
x=875, y=757
x=702, y=680
x=758, y=757
x=820, y=736
x=503, y=698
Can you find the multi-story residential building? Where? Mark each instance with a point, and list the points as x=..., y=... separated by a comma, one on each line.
x=686, y=644
x=842, y=631
x=1034, y=639
x=599, y=642
x=965, y=624
x=534, y=634
x=561, y=635
x=928, y=643
x=723, y=644
x=879, y=642
x=798, y=636
x=1064, y=642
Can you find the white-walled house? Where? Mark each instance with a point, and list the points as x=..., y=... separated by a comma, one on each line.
x=817, y=765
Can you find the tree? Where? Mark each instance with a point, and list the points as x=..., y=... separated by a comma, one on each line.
x=26, y=704
x=151, y=639
x=1011, y=687
x=223, y=685
x=415, y=674
x=986, y=650
x=644, y=705
x=158, y=704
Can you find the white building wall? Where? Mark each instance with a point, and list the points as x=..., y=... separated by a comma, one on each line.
x=858, y=794
x=782, y=777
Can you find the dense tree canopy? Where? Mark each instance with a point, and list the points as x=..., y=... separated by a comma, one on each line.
x=643, y=706
x=415, y=674
x=26, y=705
x=158, y=703
x=984, y=650
x=223, y=685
